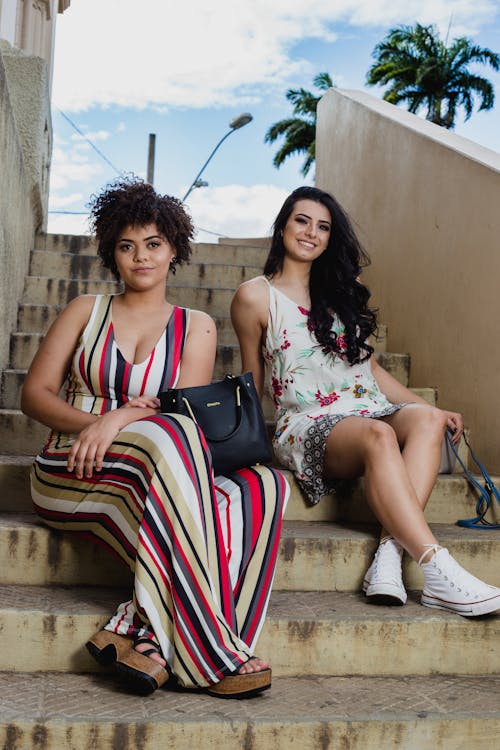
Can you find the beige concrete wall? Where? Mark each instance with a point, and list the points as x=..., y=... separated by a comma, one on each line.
x=30, y=26
x=25, y=144
x=426, y=203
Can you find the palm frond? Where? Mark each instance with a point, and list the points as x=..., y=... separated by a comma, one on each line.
x=420, y=70
x=299, y=132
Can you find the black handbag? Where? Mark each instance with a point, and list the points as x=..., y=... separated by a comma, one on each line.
x=230, y=415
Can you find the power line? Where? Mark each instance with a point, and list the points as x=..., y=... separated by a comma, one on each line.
x=86, y=213
x=208, y=231
x=97, y=150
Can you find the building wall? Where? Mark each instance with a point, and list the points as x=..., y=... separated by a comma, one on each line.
x=26, y=48
x=426, y=203
x=29, y=25
x=20, y=212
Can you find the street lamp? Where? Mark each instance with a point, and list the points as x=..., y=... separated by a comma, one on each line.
x=235, y=124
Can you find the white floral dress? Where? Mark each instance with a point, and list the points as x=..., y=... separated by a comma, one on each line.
x=312, y=391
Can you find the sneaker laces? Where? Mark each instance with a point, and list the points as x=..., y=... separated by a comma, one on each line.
x=458, y=578
x=428, y=548
x=387, y=560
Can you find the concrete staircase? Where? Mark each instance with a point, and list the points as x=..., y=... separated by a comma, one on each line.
x=346, y=674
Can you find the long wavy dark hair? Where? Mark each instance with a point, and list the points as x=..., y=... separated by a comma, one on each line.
x=334, y=284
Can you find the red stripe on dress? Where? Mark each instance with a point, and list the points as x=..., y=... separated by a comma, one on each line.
x=102, y=365
x=200, y=598
x=178, y=339
x=227, y=496
x=264, y=588
x=225, y=587
x=81, y=367
x=126, y=379
x=106, y=475
x=184, y=623
x=122, y=618
x=148, y=368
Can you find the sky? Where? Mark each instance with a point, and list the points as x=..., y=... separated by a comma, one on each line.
x=184, y=70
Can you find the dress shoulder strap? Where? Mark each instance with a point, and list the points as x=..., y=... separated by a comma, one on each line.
x=98, y=316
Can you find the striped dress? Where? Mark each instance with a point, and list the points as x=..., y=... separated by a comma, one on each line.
x=202, y=549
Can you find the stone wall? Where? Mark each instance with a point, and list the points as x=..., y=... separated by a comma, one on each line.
x=426, y=203
x=25, y=148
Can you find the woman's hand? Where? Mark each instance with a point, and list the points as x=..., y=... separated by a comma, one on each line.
x=91, y=444
x=143, y=402
x=88, y=451
x=455, y=425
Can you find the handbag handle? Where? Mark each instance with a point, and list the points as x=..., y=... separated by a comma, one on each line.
x=486, y=493
x=238, y=420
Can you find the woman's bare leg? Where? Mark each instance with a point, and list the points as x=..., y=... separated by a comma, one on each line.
x=357, y=446
x=420, y=431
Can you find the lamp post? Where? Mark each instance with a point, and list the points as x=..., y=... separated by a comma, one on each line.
x=235, y=124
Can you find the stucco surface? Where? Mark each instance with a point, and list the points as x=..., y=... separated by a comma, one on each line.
x=426, y=203
x=25, y=143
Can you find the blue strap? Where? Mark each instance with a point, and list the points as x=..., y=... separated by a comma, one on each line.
x=485, y=494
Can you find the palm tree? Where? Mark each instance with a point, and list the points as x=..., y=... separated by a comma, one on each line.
x=424, y=71
x=299, y=131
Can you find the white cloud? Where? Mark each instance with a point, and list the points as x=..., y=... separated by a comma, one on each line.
x=98, y=135
x=67, y=224
x=198, y=54
x=229, y=211
x=61, y=201
x=235, y=210
x=69, y=166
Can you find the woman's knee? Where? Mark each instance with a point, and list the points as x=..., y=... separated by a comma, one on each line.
x=380, y=437
x=432, y=420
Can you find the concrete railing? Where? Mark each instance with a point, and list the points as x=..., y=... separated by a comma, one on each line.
x=426, y=203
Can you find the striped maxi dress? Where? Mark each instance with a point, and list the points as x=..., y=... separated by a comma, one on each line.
x=202, y=549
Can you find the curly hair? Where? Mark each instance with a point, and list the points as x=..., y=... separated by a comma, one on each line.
x=131, y=201
x=334, y=284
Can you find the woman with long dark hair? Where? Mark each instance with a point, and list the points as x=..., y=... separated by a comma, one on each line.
x=116, y=470
x=304, y=329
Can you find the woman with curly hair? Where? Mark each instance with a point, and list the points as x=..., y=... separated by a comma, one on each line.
x=304, y=328
x=141, y=482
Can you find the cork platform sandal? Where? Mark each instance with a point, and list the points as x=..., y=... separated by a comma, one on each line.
x=241, y=685
x=106, y=647
x=138, y=672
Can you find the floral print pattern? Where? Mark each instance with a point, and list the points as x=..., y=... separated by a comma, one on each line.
x=312, y=391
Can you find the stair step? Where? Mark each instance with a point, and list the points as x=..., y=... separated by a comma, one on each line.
x=73, y=266
x=317, y=556
x=38, y=318
x=451, y=497
x=40, y=290
x=307, y=632
x=23, y=347
x=72, y=712
x=202, y=252
x=11, y=382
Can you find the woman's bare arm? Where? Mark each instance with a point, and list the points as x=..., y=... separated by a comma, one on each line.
x=249, y=313
x=397, y=393
x=47, y=373
x=198, y=357
x=40, y=395
x=394, y=391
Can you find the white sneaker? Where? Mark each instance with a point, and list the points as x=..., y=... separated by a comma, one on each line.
x=448, y=586
x=383, y=581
